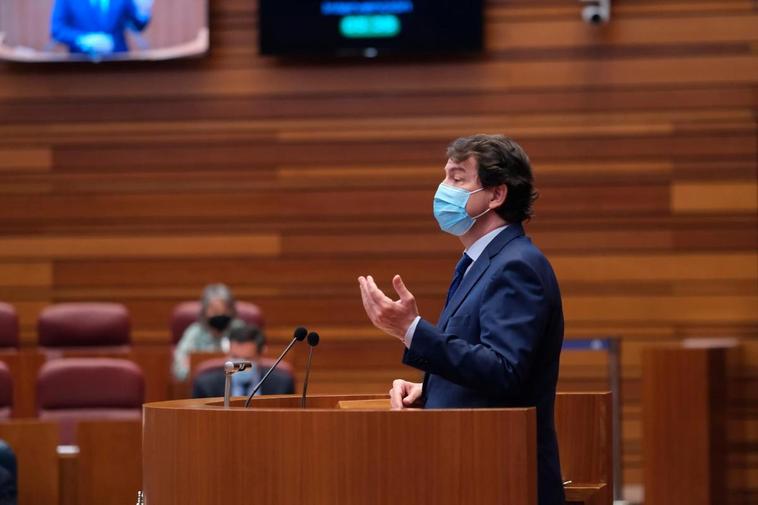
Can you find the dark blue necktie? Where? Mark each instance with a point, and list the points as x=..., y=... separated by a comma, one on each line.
x=460, y=269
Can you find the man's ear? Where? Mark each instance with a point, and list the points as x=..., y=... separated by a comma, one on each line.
x=499, y=194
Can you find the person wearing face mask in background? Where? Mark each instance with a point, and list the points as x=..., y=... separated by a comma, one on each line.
x=246, y=343
x=210, y=333
x=498, y=340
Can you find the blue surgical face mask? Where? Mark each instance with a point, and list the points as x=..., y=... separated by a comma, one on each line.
x=450, y=209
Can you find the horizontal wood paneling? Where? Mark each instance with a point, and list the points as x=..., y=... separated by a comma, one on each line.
x=715, y=198
x=27, y=159
x=128, y=247
x=288, y=179
x=317, y=79
x=43, y=110
x=693, y=30
x=291, y=271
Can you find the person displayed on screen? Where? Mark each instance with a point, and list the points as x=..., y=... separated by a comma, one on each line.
x=498, y=339
x=210, y=333
x=246, y=343
x=98, y=27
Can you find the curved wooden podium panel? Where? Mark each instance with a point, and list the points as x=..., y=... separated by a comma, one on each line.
x=195, y=451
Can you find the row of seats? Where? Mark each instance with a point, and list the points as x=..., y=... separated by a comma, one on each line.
x=6, y=391
x=101, y=324
x=72, y=389
x=69, y=390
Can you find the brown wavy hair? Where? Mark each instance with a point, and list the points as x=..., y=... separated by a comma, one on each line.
x=500, y=160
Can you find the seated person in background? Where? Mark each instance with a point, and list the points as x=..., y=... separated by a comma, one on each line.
x=8, y=475
x=246, y=343
x=210, y=333
x=97, y=27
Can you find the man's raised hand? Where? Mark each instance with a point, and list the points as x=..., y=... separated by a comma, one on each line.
x=392, y=317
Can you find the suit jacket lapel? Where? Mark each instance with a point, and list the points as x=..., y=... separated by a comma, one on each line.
x=261, y=371
x=473, y=275
x=477, y=270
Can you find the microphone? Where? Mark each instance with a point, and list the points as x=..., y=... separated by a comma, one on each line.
x=313, y=339
x=300, y=334
x=230, y=368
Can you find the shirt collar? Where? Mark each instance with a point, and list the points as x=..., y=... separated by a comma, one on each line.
x=478, y=247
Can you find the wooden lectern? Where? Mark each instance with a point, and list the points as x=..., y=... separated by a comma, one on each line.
x=195, y=451
x=353, y=450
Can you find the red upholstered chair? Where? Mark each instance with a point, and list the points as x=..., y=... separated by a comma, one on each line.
x=208, y=365
x=8, y=326
x=84, y=328
x=70, y=390
x=185, y=313
x=6, y=391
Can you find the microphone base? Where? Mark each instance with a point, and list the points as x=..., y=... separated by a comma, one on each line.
x=227, y=389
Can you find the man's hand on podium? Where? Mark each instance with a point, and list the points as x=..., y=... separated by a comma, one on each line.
x=405, y=394
x=393, y=317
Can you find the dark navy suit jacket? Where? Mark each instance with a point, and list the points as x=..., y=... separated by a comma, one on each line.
x=72, y=18
x=211, y=383
x=498, y=343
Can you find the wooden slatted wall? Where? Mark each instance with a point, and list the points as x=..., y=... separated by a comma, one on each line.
x=140, y=183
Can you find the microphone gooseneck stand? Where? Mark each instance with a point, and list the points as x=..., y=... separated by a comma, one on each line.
x=313, y=339
x=300, y=334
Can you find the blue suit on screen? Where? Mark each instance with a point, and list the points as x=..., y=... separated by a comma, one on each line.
x=73, y=18
x=497, y=344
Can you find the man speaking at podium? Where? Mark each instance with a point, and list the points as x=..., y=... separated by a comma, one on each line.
x=497, y=342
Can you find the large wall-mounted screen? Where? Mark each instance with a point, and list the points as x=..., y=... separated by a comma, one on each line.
x=369, y=27
x=101, y=30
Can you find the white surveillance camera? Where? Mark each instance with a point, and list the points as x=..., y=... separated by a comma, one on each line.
x=596, y=12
